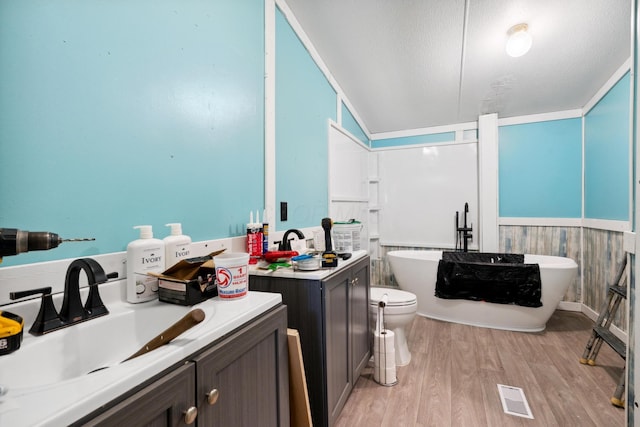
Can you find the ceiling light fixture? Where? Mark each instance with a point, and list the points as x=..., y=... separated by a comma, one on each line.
x=519, y=41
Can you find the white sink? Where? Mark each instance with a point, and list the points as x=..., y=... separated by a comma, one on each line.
x=103, y=342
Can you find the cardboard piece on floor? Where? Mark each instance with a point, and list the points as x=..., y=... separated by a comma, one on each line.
x=298, y=396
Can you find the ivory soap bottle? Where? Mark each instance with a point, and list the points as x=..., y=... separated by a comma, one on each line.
x=144, y=255
x=177, y=246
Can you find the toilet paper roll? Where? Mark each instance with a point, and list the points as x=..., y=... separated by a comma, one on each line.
x=385, y=333
x=384, y=362
x=383, y=342
x=385, y=376
x=384, y=359
x=384, y=354
x=389, y=352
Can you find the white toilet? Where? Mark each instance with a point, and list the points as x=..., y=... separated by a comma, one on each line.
x=399, y=312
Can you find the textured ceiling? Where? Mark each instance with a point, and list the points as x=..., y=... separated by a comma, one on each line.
x=411, y=64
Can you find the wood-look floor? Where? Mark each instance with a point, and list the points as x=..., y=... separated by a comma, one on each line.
x=454, y=371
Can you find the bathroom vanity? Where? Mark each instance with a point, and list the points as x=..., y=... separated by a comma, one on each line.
x=235, y=381
x=229, y=370
x=329, y=308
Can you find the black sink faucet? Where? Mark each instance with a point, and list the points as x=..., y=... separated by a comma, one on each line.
x=285, y=245
x=48, y=319
x=72, y=310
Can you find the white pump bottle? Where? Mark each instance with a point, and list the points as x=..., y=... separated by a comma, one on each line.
x=177, y=245
x=144, y=255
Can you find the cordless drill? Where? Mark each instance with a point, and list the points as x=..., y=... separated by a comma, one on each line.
x=14, y=241
x=329, y=257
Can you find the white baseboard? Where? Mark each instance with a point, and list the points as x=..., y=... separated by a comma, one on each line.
x=570, y=306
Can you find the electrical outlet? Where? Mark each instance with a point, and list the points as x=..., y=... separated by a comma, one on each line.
x=283, y=211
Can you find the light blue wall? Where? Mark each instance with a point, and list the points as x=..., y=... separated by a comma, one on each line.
x=349, y=123
x=118, y=113
x=606, y=155
x=114, y=114
x=540, y=169
x=413, y=140
x=305, y=101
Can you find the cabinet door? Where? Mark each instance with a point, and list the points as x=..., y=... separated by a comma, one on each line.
x=243, y=380
x=161, y=404
x=336, y=297
x=305, y=313
x=359, y=325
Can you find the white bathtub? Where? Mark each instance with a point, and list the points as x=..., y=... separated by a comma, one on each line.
x=416, y=271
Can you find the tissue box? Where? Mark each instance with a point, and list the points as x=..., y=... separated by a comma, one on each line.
x=189, y=282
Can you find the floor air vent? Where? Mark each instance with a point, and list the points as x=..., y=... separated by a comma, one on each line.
x=514, y=401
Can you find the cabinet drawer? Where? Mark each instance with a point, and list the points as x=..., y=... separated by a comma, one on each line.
x=162, y=403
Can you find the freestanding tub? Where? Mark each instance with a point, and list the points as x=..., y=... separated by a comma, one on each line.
x=416, y=271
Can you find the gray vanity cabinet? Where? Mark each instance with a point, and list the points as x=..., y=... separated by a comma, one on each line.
x=359, y=323
x=240, y=380
x=331, y=316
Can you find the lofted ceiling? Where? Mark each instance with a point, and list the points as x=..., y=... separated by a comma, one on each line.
x=412, y=64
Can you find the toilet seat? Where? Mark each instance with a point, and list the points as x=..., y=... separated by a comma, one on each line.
x=396, y=297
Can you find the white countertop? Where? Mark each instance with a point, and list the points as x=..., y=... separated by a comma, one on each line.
x=63, y=402
x=293, y=273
